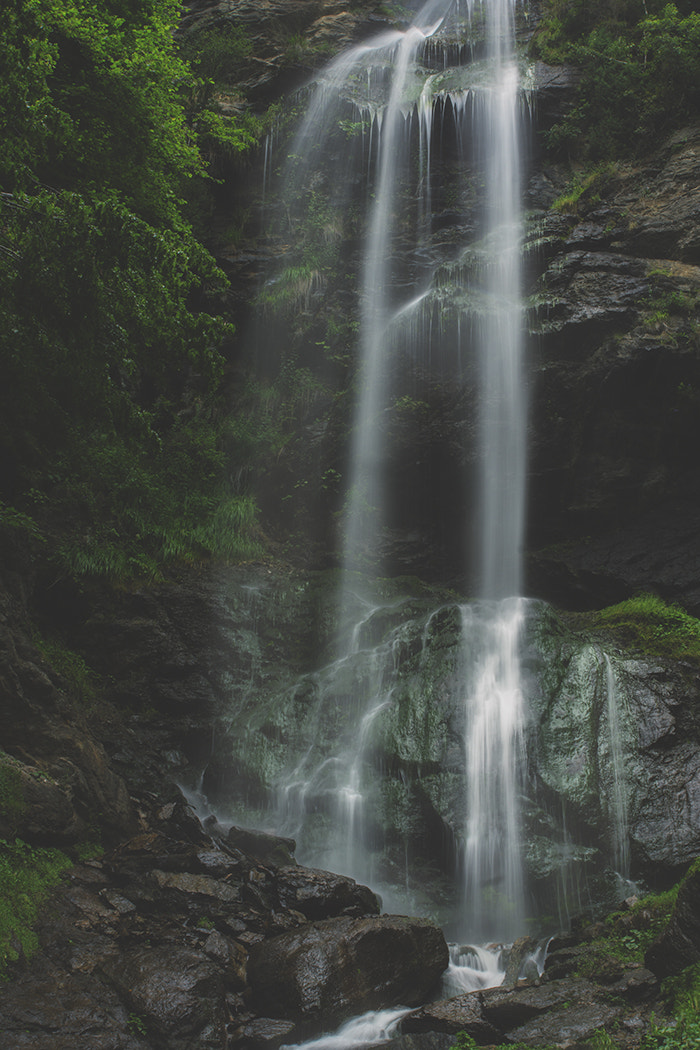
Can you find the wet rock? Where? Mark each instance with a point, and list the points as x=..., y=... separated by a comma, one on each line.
x=324, y=972
x=197, y=885
x=321, y=894
x=462, y=1013
x=267, y=1032
x=679, y=944
x=636, y=986
x=177, y=991
x=272, y=849
x=35, y=807
x=568, y=1026
x=508, y=1009
x=520, y=951
x=53, y=1014
x=423, y=1041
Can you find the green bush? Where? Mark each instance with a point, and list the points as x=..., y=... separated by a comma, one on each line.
x=640, y=71
x=26, y=875
x=112, y=443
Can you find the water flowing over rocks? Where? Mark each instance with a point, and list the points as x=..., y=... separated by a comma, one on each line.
x=268, y=709
x=560, y=1009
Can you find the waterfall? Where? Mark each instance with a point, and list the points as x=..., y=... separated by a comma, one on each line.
x=617, y=793
x=451, y=307
x=494, y=739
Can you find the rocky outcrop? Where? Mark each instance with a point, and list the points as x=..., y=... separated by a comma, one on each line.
x=616, y=363
x=287, y=38
x=678, y=945
x=56, y=778
x=585, y=988
x=161, y=944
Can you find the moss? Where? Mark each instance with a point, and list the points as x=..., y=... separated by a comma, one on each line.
x=26, y=876
x=648, y=623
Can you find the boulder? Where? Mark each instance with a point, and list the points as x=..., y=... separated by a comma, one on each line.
x=324, y=972
x=462, y=1013
x=508, y=1009
x=174, y=990
x=569, y=1026
x=272, y=849
x=322, y=895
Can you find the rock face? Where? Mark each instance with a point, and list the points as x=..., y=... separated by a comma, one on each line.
x=616, y=364
x=324, y=972
x=288, y=38
x=58, y=780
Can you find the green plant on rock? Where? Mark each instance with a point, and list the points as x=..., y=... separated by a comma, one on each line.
x=585, y=186
x=683, y=1034
x=464, y=1041
x=137, y=1025
x=640, y=69
x=82, y=680
x=26, y=876
x=600, y=1040
x=216, y=53
x=647, y=622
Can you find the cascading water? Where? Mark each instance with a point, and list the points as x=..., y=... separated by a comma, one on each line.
x=617, y=793
x=494, y=740
x=460, y=313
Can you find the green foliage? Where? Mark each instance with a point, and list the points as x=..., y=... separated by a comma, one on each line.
x=628, y=934
x=103, y=86
x=299, y=51
x=111, y=441
x=685, y=992
x=600, y=1040
x=216, y=52
x=683, y=1035
x=464, y=1041
x=137, y=1024
x=650, y=624
x=82, y=680
x=17, y=522
x=640, y=71
x=26, y=876
x=290, y=290
x=586, y=185
x=88, y=851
